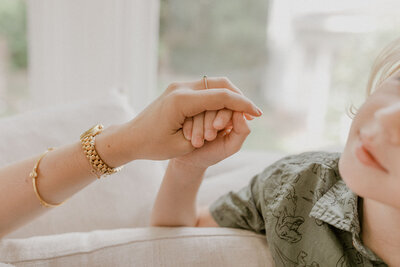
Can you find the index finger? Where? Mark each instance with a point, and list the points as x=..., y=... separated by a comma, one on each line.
x=222, y=82
x=192, y=102
x=213, y=82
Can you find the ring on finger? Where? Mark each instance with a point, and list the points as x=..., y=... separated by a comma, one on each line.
x=205, y=81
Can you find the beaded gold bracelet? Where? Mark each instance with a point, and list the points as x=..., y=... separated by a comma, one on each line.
x=34, y=175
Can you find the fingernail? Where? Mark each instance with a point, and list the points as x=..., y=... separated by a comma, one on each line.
x=249, y=117
x=187, y=136
x=259, y=111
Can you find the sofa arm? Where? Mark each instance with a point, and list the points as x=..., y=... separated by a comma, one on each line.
x=151, y=246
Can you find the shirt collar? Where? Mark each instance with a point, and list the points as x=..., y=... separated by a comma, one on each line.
x=339, y=208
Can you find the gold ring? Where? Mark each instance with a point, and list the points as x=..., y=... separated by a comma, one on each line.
x=205, y=81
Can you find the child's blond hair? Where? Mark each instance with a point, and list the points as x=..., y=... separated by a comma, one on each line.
x=385, y=65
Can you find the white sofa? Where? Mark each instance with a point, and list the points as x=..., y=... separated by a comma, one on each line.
x=106, y=224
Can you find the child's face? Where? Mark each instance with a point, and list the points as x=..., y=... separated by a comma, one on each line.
x=370, y=163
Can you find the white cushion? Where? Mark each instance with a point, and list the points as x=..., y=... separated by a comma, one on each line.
x=141, y=247
x=120, y=200
x=31, y=132
x=91, y=227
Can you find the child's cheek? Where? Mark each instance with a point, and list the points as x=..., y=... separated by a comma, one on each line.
x=349, y=173
x=344, y=170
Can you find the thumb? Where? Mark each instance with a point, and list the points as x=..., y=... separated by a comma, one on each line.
x=240, y=131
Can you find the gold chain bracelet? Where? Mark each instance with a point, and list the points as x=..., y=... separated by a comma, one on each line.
x=99, y=167
x=88, y=145
x=34, y=175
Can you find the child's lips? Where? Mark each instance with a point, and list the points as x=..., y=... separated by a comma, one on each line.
x=364, y=153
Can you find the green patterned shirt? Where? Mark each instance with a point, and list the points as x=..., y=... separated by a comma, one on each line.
x=308, y=214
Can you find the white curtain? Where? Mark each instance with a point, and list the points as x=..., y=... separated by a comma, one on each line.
x=81, y=48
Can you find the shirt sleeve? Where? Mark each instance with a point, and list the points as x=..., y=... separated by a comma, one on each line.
x=241, y=209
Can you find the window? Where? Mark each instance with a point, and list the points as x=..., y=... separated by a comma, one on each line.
x=304, y=62
x=13, y=56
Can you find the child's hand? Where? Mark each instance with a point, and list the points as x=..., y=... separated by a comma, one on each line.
x=205, y=126
x=225, y=144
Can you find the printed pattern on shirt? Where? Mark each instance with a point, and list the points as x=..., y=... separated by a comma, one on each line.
x=304, y=208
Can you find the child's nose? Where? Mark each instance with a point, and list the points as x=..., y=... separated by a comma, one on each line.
x=389, y=119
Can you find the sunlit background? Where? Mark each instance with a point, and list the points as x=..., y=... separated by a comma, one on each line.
x=303, y=62
x=13, y=56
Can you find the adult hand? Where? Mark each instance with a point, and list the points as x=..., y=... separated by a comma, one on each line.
x=156, y=133
x=206, y=125
x=224, y=145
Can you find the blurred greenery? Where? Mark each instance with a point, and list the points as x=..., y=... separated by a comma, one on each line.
x=13, y=27
x=221, y=38
x=213, y=34
x=216, y=38
x=14, y=78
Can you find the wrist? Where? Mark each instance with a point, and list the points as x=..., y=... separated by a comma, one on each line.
x=114, y=145
x=187, y=166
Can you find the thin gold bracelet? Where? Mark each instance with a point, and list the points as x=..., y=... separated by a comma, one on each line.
x=34, y=176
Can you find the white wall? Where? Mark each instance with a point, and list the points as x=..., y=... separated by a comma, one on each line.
x=85, y=47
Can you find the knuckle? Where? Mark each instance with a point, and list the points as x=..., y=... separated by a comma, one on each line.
x=177, y=96
x=172, y=86
x=225, y=80
x=228, y=83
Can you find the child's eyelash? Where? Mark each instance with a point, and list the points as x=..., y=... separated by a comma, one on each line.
x=351, y=111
